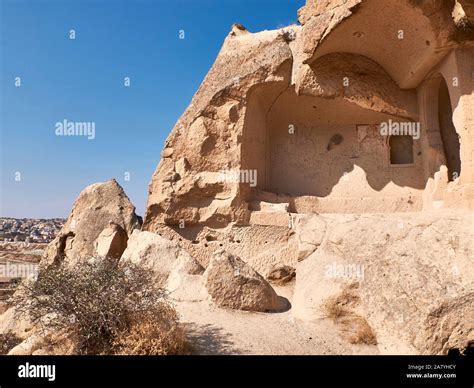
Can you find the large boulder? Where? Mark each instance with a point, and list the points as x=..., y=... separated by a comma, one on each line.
x=410, y=276
x=97, y=206
x=233, y=284
x=162, y=256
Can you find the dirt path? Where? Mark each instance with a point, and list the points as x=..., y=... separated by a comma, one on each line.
x=212, y=330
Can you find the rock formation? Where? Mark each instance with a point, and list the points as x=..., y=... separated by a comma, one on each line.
x=111, y=242
x=282, y=275
x=95, y=209
x=273, y=100
x=280, y=169
x=412, y=276
x=288, y=122
x=185, y=281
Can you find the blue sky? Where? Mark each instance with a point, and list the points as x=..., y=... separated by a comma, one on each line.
x=83, y=80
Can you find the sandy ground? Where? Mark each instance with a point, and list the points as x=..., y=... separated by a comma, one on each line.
x=213, y=330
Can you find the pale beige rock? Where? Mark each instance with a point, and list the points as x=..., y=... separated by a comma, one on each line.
x=273, y=103
x=185, y=264
x=463, y=14
x=273, y=100
x=307, y=205
x=208, y=143
x=12, y=322
x=412, y=273
x=275, y=218
x=45, y=342
x=321, y=20
x=233, y=284
x=111, y=242
x=167, y=152
x=157, y=254
x=450, y=326
x=370, y=85
x=263, y=247
x=28, y=346
x=185, y=281
x=310, y=231
x=96, y=206
x=269, y=207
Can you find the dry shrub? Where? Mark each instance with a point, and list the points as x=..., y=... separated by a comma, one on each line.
x=333, y=309
x=359, y=330
x=101, y=305
x=8, y=341
x=156, y=333
x=339, y=306
x=340, y=309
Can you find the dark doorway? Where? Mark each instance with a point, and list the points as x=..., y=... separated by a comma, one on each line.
x=448, y=133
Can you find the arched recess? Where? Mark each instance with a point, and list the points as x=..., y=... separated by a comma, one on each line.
x=406, y=37
x=449, y=136
x=322, y=144
x=440, y=138
x=457, y=71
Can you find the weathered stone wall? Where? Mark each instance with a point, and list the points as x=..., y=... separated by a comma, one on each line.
x=354, y=62
x=206, y=140
x=449, y=188
x=307, y=163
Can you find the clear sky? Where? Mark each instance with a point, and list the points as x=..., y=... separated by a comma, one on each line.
x=82, y=80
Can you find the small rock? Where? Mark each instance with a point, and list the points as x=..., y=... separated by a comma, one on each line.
x=185, y=282
x=282, y=275
x=167, y=152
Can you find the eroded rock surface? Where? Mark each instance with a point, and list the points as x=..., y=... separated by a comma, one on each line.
x=412, y=276
x=233, y=284
x=153, y=252
x=350, y=62
x=111, y=242
x=96, y=207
